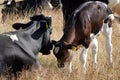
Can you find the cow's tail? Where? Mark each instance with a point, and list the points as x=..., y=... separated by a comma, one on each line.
x=117, y=18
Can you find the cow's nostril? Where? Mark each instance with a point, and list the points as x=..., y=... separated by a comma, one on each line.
x=60, y=65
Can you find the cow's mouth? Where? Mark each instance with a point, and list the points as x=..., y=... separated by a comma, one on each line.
x=60, y=65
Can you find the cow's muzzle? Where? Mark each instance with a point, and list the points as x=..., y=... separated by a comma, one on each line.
x=60, y=65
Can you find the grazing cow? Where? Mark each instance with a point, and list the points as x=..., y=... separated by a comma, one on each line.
x=20, y=48
x=82, y=28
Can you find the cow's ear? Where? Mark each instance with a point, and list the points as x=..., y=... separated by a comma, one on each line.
x=74, y=48
x=18, y=26
x=54, y=42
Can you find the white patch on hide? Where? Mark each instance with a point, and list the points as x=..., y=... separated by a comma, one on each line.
x=9, y=3
x=111, y=16
x=12, y=37
x=57, y=49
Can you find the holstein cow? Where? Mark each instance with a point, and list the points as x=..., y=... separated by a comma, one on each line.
x=82, y=28
x=20, y=48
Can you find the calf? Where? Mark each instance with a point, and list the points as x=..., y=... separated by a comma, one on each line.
x=81, y=29
x=20, y=48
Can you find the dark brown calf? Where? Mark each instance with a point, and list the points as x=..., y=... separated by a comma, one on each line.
x=81, y=29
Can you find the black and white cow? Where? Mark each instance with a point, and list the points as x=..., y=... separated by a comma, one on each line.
x=20, y=48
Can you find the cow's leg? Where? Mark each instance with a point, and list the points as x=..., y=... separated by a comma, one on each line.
x=69, y=62
x=107, y=31
x=83, y=58
x=94, y=48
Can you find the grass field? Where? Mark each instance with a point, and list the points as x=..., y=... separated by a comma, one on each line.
x=49, y=70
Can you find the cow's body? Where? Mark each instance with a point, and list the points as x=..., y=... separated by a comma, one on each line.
x=81, y=29
x=69, y=6
x=20, y=48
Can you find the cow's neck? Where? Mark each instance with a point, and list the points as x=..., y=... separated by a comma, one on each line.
x=31, y=37
x=69, y=37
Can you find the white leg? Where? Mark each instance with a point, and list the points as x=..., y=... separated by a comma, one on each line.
x=83, y=58
x=94, y=48
x=107, y=31
x=69, y=62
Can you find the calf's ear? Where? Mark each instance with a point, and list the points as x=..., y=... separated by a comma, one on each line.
x=54, y=42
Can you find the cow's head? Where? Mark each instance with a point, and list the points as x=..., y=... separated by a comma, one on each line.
x=62, y=53
x=47, y=44
x=45, y=22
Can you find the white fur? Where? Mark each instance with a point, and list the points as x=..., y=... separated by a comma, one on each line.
x=111, y=16
x=94, y=48
x=57, y=49
x=83, y=58
x=50, y=5
x=69, y=62
x=107, y=31
x=9, y=3
x=12, y=37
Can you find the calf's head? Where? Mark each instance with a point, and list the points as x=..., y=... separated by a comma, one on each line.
x=62, y=53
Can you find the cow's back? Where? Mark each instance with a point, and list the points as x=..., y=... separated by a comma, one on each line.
x=11, y=55
x=91, y=15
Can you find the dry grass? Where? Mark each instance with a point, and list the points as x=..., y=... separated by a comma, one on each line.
x=49, y=70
